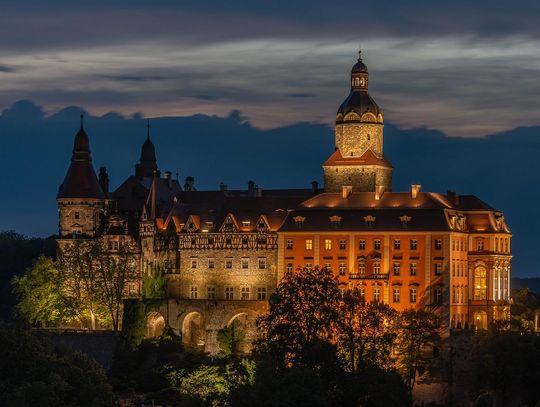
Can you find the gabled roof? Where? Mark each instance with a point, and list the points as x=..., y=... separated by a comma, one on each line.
x=368, y=158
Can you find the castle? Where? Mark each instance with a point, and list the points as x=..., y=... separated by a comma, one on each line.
x=224, y=251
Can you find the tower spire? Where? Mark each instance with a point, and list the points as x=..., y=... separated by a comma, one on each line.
x=82, y=118
x=148, y=129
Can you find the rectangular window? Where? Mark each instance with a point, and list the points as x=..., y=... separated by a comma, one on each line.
x=376, y=294
x=244, y=293
x=480, y=245
x=262, y=263
x=229, y=293
x=362, y=293
x=289, y=244
x=328, y=244
x=342, y=268
x=308, y=266
x=377, y=267
x=342, y=244
x=245, y=262
x=438, y=295
x=397, y=244
x=412, y=295
x=414, y=244
x=328, y=266
x=261, y=293
x=412, y=268
x=211, y=293
x=193, y=294
x=438, y=269
x=362, y=267
x=77, y=215
x=211, y=263
x=309, y=244
x=396, y=294
x=438, y=244
x=193, y=263
x=397, y=268
x=228, y=263
x=377, y=244
x=361, y=244
x=289, y=267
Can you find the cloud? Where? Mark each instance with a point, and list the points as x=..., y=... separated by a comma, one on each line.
x=300, y=95
x=6, y=68
x=135, y=78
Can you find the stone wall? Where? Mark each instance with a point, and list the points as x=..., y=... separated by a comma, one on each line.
x=80, y=216
x=354, y=139
x=362, y=178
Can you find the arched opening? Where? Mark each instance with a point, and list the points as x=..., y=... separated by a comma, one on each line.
x=480, y=283
x=155, y=325
x=480, y=320
x=193, y=330
x=237, y=336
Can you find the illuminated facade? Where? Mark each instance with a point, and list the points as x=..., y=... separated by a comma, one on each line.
x=224, y=251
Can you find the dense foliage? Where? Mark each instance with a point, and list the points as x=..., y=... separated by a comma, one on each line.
x=32, y=374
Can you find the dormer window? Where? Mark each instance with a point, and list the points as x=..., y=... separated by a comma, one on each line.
x=335, y=221
x=299, y=221
x=370, y=221
x=405, y=221
x=246, y=223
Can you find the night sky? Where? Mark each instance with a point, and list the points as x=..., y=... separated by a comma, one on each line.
x=249, y=89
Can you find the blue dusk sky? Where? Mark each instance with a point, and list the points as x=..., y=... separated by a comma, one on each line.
x=252, y=87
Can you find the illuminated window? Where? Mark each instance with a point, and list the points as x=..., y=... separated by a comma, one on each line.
x=228, y=263
x=309, y=244
x=362, y=267
x=362, y=244
x=193, y=263
x=246, y=223
x=377, y=266
x=211, y=263
x=211, y=293
x=413, y=268
x=245, y=262
x=377, y=244
x=412, y=295
x=289, y=267
x=438, y=244
x=397, y=244
x=327, y=266
x=328, y=244
x=262, y=263
x=289, y=244
x=414, y=244
x=342, y=268
x=342, y=244
x=193, y=293
x=396, y=294
x=261, y=293
x=438, y=269
x=480, y=283
x=229, y=293
x=376, y=294
x=397, y=268
x=244, y=293
x=308, y=266
x=362, y=293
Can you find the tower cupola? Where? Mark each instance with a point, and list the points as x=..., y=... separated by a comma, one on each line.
x=147, y=165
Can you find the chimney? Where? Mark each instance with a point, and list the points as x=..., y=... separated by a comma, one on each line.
x=190, y=184
x=453, y=197
x=167, y=175
x=104, y=180
x=222, y=186
x=346, y=191
x=251, y=188
x=258, y=191
x=314, y=187
x=415, y=190
x=379, y=191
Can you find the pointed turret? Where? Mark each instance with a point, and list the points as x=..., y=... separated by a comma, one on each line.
x=147, y=165
x=81, y=180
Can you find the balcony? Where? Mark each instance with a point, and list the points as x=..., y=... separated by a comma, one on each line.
x=358, y=276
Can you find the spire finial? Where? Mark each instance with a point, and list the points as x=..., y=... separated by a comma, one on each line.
x=148, y=129
x=82, y=118
x=360, y=53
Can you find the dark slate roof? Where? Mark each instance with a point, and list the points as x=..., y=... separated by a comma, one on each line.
x=359, y=101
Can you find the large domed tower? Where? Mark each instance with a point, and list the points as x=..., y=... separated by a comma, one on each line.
x=358, y=160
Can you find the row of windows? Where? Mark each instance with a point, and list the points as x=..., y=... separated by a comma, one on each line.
x=459, y=268
x=459, y=294
x=396, y=294
x=342, y=244
x=229, y=293
x=376, y=267
x=228, y=264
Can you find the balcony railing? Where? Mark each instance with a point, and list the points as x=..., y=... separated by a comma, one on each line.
x=358, y=276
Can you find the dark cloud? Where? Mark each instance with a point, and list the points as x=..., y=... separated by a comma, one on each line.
x=300, y=95
x=6, y=68
x=203, y=97
x=135, y=78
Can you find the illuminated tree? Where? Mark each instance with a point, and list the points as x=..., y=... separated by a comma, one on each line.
x=153, y=283
x=230, y=337
x=366, y=332
x=419, y=332
x=302, y=316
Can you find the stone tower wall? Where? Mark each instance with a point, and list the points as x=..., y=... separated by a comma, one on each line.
x=80, y=216
x=361, y=178
x=354, y=139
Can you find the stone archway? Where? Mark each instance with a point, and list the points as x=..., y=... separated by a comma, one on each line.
x=193, y=330
x=155, y=325
x=241, y=331
x=480, y=319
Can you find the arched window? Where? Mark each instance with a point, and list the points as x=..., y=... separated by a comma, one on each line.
x=480, y=283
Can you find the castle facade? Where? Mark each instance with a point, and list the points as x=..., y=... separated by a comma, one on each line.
x=224, y=251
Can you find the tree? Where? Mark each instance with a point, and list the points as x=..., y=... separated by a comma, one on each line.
x=302, y=315
x=419, y=331
x=230, y=337
x=366, y=332
x=38, y=290
x=153, y=283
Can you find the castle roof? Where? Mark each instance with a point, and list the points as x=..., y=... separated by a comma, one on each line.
x=368, y=158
